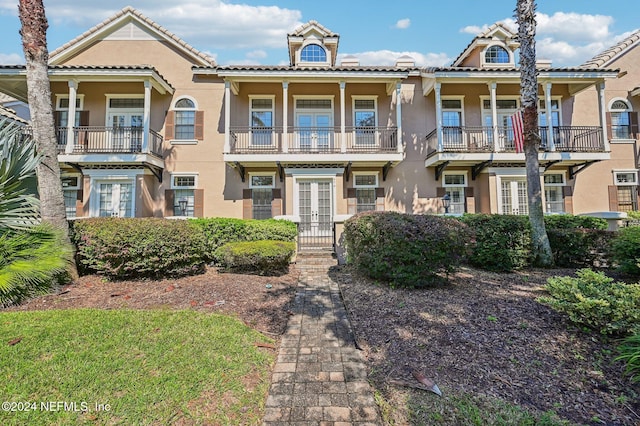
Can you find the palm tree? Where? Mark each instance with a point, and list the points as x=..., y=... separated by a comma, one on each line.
x=525, y=16
x=34, y=43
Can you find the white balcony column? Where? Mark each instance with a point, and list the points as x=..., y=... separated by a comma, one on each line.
x=343, y=115
x=285, y=116
x=603, y=116
x=437, y=89
x=71, y=117
x=494, y=115
x=399, y=115
x=146, y=117
x=551, y=144
x=227, y=118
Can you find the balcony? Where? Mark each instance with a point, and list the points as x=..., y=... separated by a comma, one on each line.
x=314, y=144
x=472, y=145
x=108, y=140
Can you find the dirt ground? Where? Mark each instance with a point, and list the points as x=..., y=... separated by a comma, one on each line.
x=482, y=334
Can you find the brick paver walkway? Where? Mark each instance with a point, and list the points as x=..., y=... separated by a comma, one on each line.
x=319, y=377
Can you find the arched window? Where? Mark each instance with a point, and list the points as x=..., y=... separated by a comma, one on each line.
x=185, y=119
x=620, y=119
x=496, y=55
x=313, y=53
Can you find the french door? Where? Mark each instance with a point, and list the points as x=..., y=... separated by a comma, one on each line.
x=315, y=209
x=125, y=131
x=115, y=199
x=315, y=131
x=513, y=194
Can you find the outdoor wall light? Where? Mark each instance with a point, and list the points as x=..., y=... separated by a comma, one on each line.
x=183, y=206
x=446, y=202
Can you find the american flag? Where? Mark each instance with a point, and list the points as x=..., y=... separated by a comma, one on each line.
x=518, y=131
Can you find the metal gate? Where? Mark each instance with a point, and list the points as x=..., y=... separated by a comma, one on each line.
x=315, y=230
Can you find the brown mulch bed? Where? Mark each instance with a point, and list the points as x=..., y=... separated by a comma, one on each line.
x=262, y=302
x=484, y=334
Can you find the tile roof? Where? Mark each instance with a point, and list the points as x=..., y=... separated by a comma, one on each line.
x=303, y=69
x=301, y=29
x=512, y=70
x=607, y=56
x=133, y=12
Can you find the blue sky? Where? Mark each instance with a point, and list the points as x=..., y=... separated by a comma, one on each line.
x=254, y=31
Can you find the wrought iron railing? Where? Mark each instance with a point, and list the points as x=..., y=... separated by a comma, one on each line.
x=109, y=140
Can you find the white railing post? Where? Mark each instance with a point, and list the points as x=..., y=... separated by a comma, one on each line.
x=285, y=116
x=227, y=118
x=399, y=116
x=439, y=130
x=343, y=114
x=146, y=117
x=71, y=117
x=551, y=144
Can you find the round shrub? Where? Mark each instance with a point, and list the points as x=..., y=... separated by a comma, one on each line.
x=502, y=242
x=121, y=248
x=625, y=250
x=405, y=250
x=579, y=247
x=266, y=257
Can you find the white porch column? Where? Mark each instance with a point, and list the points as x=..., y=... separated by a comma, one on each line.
x=146, y=117
x=227, y=118
x=437, y=89
x=399, y=115
x=551, y=143
x=603, y=116
x=494, y=116
x=71, y=116
x=343, y=115
x=285, y=116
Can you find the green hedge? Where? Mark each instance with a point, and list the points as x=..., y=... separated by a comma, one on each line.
x=625, y=250
x=219, y=231
x=122, y=248
x=568, y=221
x=594, y=300
x=405, y=250
x=265, y=257
x=502, y=242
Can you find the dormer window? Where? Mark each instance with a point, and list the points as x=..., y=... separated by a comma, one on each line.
x=496, y=55
x=313, y=53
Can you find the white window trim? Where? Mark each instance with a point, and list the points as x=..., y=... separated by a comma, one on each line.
x=180, y=174
x=483, y=57
x=559, y=109
x=273, y=180
x=99, y=176
x=318, y=42
x=461, y=109
x=178, y=98
x=462, y=172
x=79, y=97
x=632, y=171
x=376, y=174
x=629, y=107
x=310, y=176
x=69, y=175
x=272, y=98
x=355, y=98
x=564, y=179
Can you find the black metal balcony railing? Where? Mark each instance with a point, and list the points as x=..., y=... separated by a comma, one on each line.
x=501, y=139
x=109, y=140
x=313, y=140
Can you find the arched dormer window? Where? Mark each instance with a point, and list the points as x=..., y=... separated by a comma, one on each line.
x=313, y=53
x=496, y=55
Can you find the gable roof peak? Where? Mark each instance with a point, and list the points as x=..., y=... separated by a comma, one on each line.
x=311, y=25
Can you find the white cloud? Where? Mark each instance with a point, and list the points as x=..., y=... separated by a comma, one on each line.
x=256, y=54
x=403, y=24
x=388, y=58
x=11, y=59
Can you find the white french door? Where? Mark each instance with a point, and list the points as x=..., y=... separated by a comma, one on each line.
x=513, y=195
x=126, y=131
x=315, y=131
x=315, y=207
x=115, y=199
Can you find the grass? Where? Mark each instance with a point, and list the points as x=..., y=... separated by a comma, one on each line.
x=149, y=367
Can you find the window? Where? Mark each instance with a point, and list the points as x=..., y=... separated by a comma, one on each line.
x=365, y=185
x=553, y=193
x=62, y=110
x=70, y=187
x=454, y=185
x=364, y=112
x=313, y=53
x=620, y=123
x=184, y=186
x=261, y=121
x=185, y=119
x=262, y=194
x=627, y=188
x=496, y=55
x=452, y=122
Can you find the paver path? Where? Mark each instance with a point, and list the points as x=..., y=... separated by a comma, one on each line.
x=319, y=377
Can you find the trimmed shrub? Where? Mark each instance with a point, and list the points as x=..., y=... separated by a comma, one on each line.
x=567, y=221
x=578, y=247
x=219, y=231
x=32, y=262
x=630, y=354
x=266, y=257
x=405, y=250
x=122, y=248
x=502, y=242
x=625, y=250
x=594, y=300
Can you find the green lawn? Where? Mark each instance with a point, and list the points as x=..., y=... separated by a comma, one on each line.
x=150, y=367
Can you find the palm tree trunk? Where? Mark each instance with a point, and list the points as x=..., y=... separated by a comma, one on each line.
x=34, y=44
x=525, y=16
